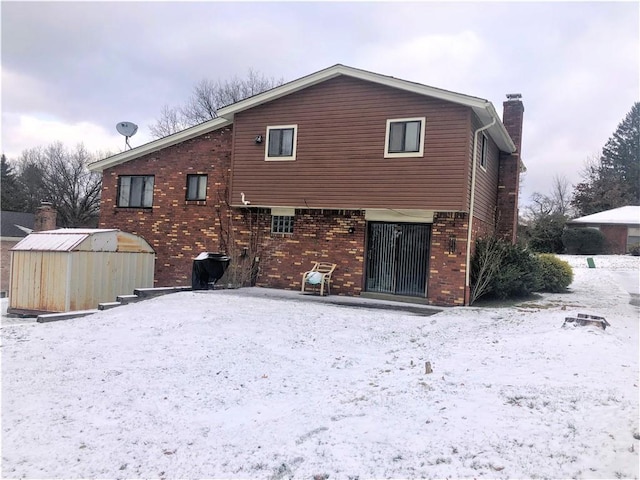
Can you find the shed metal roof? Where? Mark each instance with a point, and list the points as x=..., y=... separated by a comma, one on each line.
x=83, y=239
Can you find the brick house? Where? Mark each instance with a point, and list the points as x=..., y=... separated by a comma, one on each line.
x=390, y=179
x=620, y=227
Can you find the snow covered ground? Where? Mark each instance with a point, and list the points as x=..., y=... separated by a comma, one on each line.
x=230, y=384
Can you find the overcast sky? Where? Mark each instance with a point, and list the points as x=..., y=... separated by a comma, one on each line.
x=71, y=71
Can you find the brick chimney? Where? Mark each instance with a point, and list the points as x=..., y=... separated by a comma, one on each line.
x=509, y=170
x=45, y=218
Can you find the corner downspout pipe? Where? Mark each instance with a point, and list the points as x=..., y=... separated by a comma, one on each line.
x=472, y=202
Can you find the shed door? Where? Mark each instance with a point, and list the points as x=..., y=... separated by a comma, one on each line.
x=398, y=258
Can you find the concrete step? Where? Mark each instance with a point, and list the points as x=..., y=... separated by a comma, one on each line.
x=108, y=305
x=157, y=291
x=54, y=317
x=126, y=299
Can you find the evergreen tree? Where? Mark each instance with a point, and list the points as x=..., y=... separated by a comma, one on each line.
x=614, y=180
x=10, y=201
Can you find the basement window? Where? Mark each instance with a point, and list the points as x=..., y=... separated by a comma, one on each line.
x=405, y=137
x=135, y=191
x=282, y=224
x=281, y=142
x=196, y=187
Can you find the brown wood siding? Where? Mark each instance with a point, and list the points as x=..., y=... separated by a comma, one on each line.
x=340, y=151
x=486, y=178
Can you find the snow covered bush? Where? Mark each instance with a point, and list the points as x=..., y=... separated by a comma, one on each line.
x=555, y=274
x=635, y=250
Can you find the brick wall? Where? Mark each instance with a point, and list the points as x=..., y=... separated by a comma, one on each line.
x=45, y=218
x=318, y=235
x=615, y=238
x=447, y=265
x=177, y=230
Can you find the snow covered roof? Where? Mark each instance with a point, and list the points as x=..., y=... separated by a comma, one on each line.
x=83, y=239
x=629, y=215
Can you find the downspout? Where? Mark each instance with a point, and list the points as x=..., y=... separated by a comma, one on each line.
x=472, y=202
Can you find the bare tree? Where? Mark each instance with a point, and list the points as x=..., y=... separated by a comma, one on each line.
x=61, y=177
x=207, y=98
x=560, y=195
x=547, y=215
x=557, y=201
x=169, y=122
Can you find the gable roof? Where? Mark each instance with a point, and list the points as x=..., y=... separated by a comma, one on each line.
x=16, y=224
x=629, y=215
x=482, y=108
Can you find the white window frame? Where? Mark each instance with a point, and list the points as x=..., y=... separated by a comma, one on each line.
x=419, y=153
x=484, y=152
x=293, y=150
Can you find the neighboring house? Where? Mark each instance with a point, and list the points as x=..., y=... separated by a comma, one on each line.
x=620, y=227
x=389, y=179
x=15, y=226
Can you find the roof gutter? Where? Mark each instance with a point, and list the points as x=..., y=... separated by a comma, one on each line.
x=472, y=201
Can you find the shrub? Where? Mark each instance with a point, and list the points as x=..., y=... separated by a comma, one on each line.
x=545, y=234
x=635, y=250
x=518, y=275
x=555, y=274
x=583, y=241
x=502, y=270
x=484, y=266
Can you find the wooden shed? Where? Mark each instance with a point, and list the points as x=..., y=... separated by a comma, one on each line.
x=73, y=269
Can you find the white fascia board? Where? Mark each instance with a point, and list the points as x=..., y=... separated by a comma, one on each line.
x=278, y=92
x=499, y=132
x=159, y=144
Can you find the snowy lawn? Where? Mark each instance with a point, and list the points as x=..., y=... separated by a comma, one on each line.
x=224, y=384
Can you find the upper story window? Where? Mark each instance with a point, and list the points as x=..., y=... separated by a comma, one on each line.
x=281, y=142
x=135, y=191
x=484, y=151
x=196, y=187
x=405, y=137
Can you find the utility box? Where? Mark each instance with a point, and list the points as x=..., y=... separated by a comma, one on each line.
x=71, y=269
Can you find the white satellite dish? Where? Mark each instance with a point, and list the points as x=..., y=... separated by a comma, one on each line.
x=127, y=129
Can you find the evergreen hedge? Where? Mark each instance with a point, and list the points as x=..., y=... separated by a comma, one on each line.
x=583, y=241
